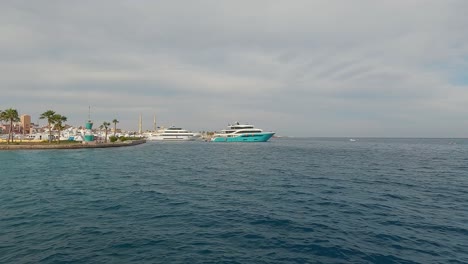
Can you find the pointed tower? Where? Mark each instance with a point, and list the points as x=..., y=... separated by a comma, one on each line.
x=140, y=125
x=154, y=123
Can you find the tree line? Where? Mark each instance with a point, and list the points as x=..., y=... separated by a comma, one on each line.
x=54, y=121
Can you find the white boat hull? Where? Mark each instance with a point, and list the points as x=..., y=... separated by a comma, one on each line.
x=172, y=138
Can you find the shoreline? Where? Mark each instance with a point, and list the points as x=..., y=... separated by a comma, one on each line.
x=73, y=146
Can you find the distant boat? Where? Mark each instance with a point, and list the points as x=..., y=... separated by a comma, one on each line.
x=352, y=140
x=174, y=134
x=242, y=133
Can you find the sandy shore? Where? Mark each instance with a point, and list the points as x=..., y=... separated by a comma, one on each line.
x=73, y=146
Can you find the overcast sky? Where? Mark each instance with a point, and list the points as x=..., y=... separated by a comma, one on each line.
x=394, y=68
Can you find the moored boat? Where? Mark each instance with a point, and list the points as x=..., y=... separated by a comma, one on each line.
x=174, y=134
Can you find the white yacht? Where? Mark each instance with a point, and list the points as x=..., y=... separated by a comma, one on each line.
x=174, y=134
x=242, y=133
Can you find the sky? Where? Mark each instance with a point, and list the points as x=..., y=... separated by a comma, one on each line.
x=330, y=68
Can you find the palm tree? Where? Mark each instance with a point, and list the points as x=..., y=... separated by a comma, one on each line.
x=58, y=120
x=105, y=125
x=49, y=114
x=115, y=121
x=10, y=115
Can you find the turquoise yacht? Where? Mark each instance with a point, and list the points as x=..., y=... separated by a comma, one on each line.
x=242, y=133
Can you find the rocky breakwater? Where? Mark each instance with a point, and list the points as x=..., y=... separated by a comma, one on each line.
x=14, y=146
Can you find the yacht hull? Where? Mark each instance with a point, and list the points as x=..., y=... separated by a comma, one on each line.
x=257, y=137
x=172, y=138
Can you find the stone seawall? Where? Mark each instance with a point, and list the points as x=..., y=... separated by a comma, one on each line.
x=73, y=146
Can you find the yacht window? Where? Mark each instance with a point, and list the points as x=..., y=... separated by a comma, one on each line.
x=248, y=131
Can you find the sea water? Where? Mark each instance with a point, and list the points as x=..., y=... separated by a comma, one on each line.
x=316, y=200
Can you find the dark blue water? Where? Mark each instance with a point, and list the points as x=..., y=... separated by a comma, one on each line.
x=285, y=201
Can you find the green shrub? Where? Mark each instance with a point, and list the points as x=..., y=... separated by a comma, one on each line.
x=113, y=139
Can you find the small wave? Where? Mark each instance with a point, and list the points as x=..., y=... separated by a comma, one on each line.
x=380, y=258
x=393, y=196
x=112, y=207
x=123, y=245
x=271, y=222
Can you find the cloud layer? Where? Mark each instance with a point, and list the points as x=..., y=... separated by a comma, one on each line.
x=303, y=68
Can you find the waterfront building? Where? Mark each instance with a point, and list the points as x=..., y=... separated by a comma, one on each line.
x=26, y=123
x=17, y=128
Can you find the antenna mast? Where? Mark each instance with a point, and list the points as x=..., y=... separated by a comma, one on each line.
x=140, y=125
